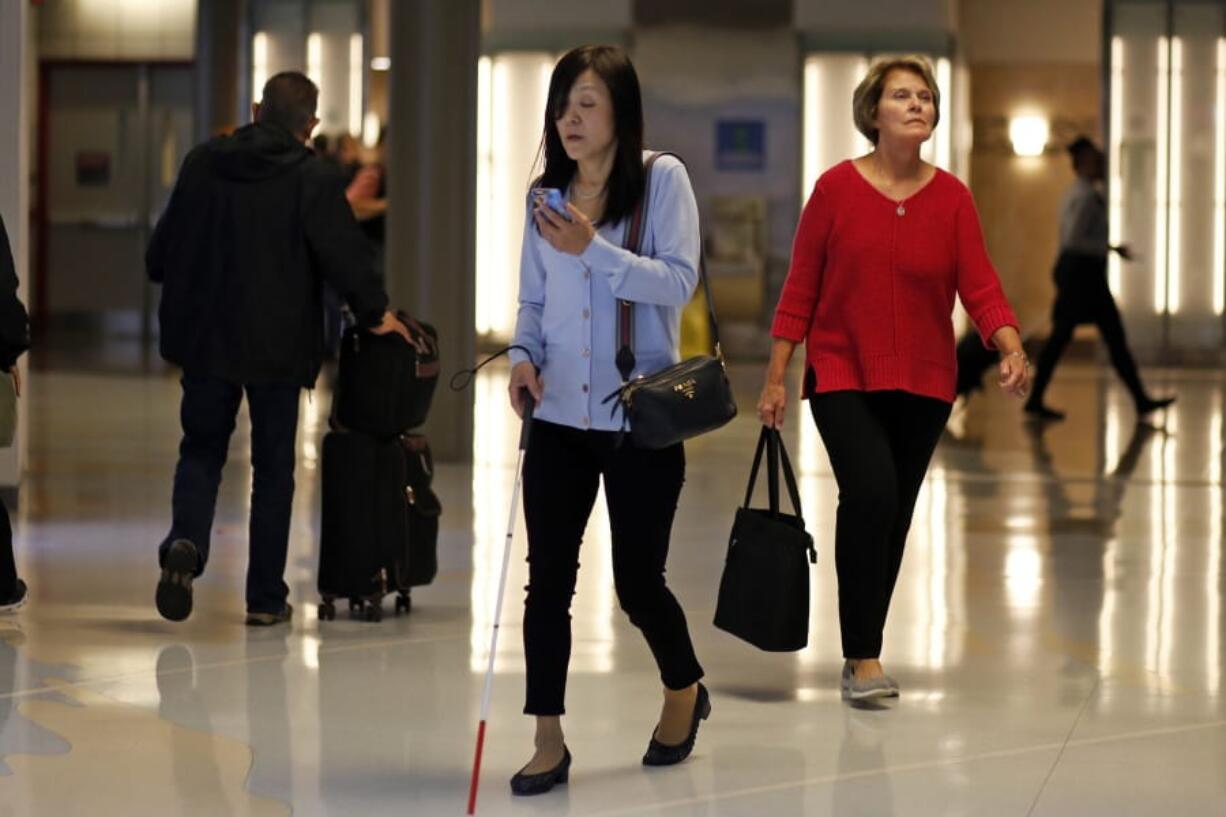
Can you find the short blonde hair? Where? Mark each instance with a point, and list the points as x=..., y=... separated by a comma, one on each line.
x=867, y=97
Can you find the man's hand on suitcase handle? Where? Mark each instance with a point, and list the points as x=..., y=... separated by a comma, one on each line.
x=391, y=324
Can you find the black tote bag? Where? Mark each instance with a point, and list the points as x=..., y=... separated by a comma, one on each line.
x=764, y=592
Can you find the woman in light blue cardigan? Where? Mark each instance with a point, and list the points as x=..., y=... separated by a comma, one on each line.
x=573, y=272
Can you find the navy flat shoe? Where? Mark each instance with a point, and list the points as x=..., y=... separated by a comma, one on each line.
x=660, y=754
x=527, y=785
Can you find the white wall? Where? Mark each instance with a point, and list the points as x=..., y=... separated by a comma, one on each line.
x=694, y=77
x=1030, y=31
x=890, y=15
x=118, y=29
x=503, y=16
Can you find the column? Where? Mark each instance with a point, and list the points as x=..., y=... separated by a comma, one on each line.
x=218, y=50
x=432, y=177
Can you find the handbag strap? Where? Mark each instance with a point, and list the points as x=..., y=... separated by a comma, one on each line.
x=634, y=242
x=771, y=441
x=789, y=476
x=772, y=472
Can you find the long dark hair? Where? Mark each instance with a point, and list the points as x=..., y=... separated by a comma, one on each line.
x=613, y=66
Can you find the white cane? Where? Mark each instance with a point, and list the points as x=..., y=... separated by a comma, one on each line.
x=529, y=405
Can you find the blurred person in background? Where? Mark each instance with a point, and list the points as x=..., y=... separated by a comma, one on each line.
x=14, y=340
x=1083, y=294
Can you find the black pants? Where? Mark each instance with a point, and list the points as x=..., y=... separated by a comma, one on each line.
x=8, y=567
x=1084, y=296
x=562, y=471
x=209, y=408
x=879, y=444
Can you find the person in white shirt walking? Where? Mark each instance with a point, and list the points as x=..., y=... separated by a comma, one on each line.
x=1082, y=292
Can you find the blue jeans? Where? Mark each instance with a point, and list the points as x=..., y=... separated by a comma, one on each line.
x=208, y=411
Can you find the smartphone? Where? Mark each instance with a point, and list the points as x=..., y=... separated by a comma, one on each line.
x=552, y=198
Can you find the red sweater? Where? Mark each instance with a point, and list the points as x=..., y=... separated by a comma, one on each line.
x=873, y=291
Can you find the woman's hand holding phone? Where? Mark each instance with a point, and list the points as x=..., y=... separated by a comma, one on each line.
x=560, y=223
x=550, y=197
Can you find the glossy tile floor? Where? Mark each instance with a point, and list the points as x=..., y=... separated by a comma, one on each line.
x=1058, y=631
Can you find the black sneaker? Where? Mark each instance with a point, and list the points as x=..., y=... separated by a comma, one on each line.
x=174, y=595
x=269, y=619
x=17, y=600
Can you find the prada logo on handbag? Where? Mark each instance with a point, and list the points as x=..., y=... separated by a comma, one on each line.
x=686, y=388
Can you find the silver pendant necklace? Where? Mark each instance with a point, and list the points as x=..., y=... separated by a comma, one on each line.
x=575, y=193
x=902, y=211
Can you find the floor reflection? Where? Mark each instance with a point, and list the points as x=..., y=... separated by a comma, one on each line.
x=1057, y=629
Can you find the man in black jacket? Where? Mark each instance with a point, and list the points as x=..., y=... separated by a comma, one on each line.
x=14, y=339
x=255, y=225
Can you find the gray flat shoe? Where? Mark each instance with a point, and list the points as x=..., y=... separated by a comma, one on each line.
x=894, y=687
x=856, y=690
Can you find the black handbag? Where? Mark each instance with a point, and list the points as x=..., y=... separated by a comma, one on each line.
x=385, y=385
x=764, y=592
x=681, y=401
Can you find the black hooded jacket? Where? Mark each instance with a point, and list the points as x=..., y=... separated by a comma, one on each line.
x=256, y=223
x=14, y=323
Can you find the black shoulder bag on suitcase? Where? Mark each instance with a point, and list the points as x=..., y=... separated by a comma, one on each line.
x=386, y=385
x=764, y=592
x=421, y=562
x=681, y=401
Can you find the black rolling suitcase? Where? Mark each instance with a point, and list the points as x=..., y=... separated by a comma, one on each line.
x=379, y=524
x=364, y=524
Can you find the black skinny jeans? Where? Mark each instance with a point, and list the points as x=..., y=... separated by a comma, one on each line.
x=1084, y=296
x=880, y=444
x=562, y=471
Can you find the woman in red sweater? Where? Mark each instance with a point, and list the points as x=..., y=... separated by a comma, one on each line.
x=884, y=244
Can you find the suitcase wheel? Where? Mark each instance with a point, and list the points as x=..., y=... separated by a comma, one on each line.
x=355, y=605
x=327, y=611
x=404, y=604
x=374, y=611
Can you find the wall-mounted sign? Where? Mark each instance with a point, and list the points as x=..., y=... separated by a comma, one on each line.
x=740, y=144
x=93, y=168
